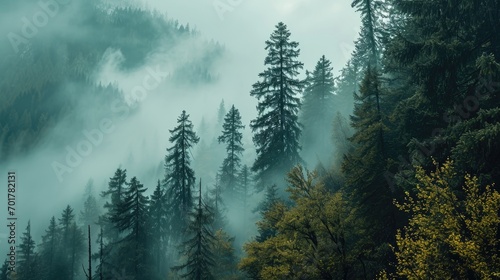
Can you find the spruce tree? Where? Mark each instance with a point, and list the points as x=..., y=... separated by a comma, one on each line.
x=76, y=249
x=179, y=179
x=225, y=260
x=90, y=213
x=317, y=112
x=158, y=214
x=221, y=112
x=198, y=248
x=132, y=224
x=115, y=193
x=368, y=45
x=346, y=85
x=27, y=262
x=266, y=205
x=50, y=251
x=4, y=271
x=243, y=189
x=276, y=129
x=72, y=242
x=216, y=202
x=110, y=237
x=364, y=169
x=231, y=136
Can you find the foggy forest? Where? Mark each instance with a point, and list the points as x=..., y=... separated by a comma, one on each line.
x=235, y=139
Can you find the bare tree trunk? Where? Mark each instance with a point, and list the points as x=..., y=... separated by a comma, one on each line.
x=90, y=256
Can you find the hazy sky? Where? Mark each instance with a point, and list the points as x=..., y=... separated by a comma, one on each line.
x=320, y=26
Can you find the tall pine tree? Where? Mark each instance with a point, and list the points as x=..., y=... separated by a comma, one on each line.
x=276, y=129
x=317, y=113
x=158, y=214
x=27, y=262
x=49, y=251
x=132, y=223
x=231, y=136
x=199, y=245
x=179, y=178
x=364, y=169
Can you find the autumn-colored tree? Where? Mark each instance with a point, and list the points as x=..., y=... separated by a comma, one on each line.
x=450, y=235
x=314, y=239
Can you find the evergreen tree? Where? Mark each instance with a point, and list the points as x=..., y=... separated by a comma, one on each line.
x=115, y=192
x=65, y=222
x=225, y=261
x=221, y=112
x=27, y=261
x=231, y=136
x=132, y=223
x=158, y=213
x=346, y=85
x=72, y=243
x=271, y=200
x=180, y=179
x=243, y=187
x=198, y=248
x=276, y=129
x=317, y=112
x=217, y=203
x=4, y=271
x=368, y=45
x=50, y=251
x=109, y=238
x=364, y=169
x=90, y=213
x=448, y=85
x=76, y=249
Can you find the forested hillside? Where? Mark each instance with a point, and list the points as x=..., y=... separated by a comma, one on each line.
x=402, y=187
x=49, y=76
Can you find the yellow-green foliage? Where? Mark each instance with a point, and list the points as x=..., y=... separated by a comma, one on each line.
x=449, y=237
x=310, y=240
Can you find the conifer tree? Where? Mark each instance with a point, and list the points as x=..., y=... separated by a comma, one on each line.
x=27, y=257
x=231, y=136
x=221, y=112
x=90, y=213
x=132, y=223
x=317, y=112
x=115, y=193
x=198, y=248
x=271, y=199
x=77, y=249
x=72, y=243
x=158, y=214
x=368, y=45
x=364, y=169
x=4, y=271
x=49, y=250
x=243, y=187
x=180, y=179
x=215, y=201
x=225, y=261
x=276, y=129
x=109, y=238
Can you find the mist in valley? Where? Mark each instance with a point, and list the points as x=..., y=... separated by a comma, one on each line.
x=234, y=139
x=121, y=111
